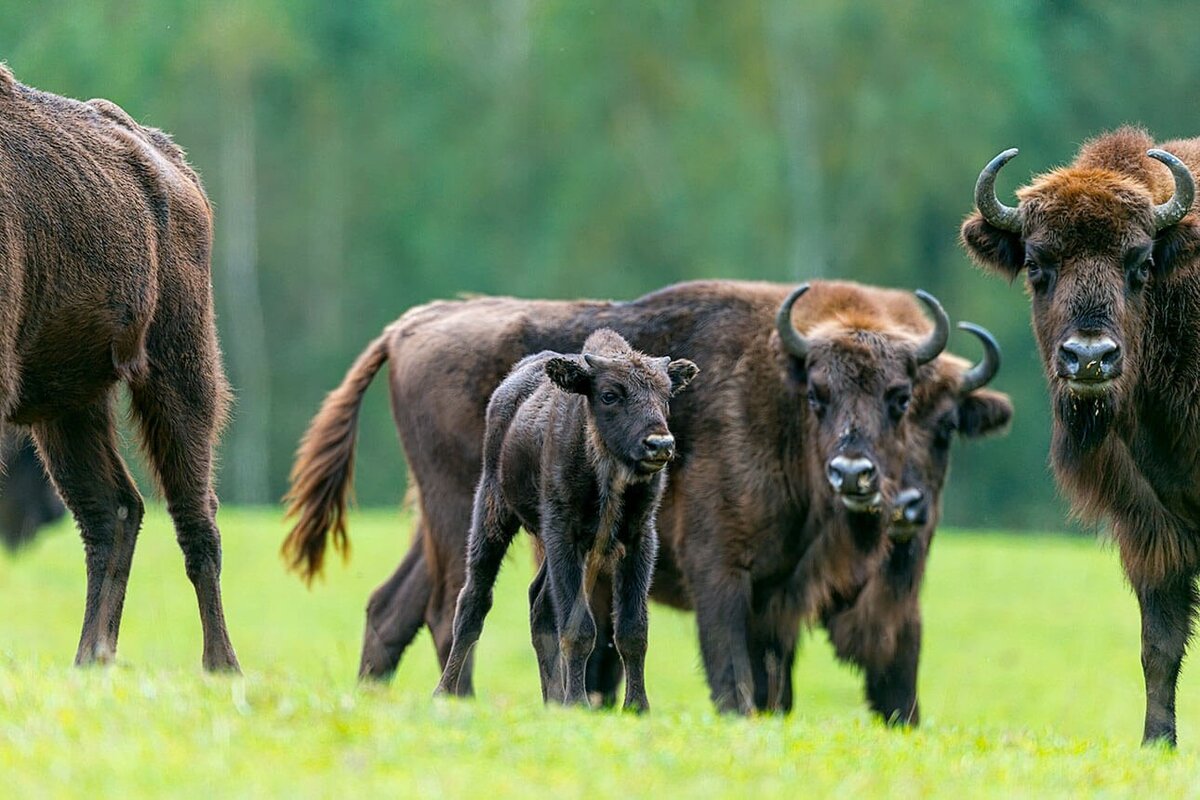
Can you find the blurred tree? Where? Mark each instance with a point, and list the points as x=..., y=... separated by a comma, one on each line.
x=365, y=157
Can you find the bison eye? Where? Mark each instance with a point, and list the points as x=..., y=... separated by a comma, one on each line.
x=898, y=400
x=815, y=402
x=609, y=398
x=1039, y=275
x=945, y=431
x=1139, y=274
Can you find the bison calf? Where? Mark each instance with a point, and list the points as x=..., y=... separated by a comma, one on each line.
x=573, y=450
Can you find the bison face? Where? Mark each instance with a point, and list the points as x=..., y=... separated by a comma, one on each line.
x=947, y=402
x=628, y=395
x=1093, y=245
x=858, y=382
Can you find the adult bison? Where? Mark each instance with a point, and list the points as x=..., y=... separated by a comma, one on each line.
x=746, y=499
x=1110, y=247
x=105, y=233
x=27, y=498
x=876, y=626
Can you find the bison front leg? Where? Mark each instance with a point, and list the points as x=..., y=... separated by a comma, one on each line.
x=573, y=614
x=1167, y=613
x=722, y=615
x=891, y=688
x=543, y=631
x=631, y=591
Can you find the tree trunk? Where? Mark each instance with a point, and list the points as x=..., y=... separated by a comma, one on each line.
x=246, y=458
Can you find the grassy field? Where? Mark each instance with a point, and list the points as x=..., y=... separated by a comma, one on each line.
x=1030, y=683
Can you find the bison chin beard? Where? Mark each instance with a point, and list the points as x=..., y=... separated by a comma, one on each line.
x=1083, y=422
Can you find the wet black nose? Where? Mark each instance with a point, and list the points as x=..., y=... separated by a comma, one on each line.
x=852, y=475
x=1089, y=359
x=659, y=446
x=911, y=509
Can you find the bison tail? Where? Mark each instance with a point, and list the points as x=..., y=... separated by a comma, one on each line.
x=323, y=473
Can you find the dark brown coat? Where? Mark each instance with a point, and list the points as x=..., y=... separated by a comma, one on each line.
x=105, y=234
x=747, y=497
x=1115, y=294
x=575, y=452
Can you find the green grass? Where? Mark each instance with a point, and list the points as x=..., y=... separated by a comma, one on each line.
x=1030, y=683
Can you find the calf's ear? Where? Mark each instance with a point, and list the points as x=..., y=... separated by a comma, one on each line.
x=681, y=372
x=569, y=375
x=983, y=411
x=1176, y=245
x=991, y=248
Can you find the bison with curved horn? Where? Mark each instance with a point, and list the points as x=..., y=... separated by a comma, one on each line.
x=768, y=459
x=875, y=626
x=1110, y=249
x=105, y=235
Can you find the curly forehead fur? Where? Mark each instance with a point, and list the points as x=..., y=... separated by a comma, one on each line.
x=1107, y=192
x=632, y=364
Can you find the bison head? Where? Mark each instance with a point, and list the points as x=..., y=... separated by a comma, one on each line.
x=949, y=400
x=628, y=395
x=857, y=376
x=1093, y=240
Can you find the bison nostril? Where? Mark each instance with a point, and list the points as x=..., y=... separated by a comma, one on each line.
x=1089, y=358
x=851, y=475
x=659, y=445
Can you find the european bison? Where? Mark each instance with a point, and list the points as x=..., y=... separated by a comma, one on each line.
x=877, y=626
x=105, y=233
x=1110, y=247
x=574, y=451
x=795, y=438
x=27, y=498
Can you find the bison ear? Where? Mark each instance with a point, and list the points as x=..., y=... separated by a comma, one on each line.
x=992, y=248
x=1176, y=245
x=681, y=372
x=983, y=411
x=569, y=375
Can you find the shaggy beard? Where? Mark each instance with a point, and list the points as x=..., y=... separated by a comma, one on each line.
x=1083, y=423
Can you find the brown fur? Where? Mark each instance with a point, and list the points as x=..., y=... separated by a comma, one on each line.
x=105, y=235
x=745, y=500
x=1124, y=454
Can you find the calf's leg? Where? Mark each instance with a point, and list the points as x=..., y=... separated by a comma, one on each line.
x=492, y=530
x=81, y=456
x=543, y=631
x=573, y=614
x=604, y=666
x=1167, y=613
x=631, y=590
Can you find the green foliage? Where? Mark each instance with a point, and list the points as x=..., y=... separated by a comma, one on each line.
x=409, y=151
x=1030, y=685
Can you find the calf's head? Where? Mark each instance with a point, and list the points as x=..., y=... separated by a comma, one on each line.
x=1093, y=239
x=857, y=377
x=949, y=401
x=628, y=395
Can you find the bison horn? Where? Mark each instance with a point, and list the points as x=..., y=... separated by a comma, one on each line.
x=1173, y=210
x=982, y=373
x=791, y=339
x=936, y=343
x=1006, y=218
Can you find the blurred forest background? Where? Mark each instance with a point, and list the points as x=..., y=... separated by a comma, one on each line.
x=369, y=155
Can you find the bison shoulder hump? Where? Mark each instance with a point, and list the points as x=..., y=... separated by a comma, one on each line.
x=8, y=84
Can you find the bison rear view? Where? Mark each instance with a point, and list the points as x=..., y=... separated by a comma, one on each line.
x=104, y=267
